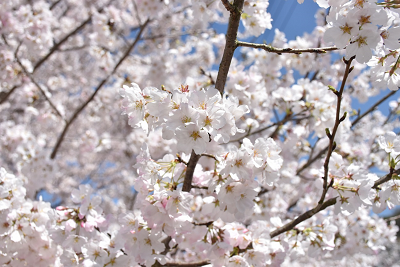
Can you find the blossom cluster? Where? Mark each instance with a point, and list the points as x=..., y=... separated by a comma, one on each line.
x=266, y=170
x=194, y=117
x=364, y=27
x=256, y=19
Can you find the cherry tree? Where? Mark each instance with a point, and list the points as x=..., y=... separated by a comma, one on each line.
x=159, y=147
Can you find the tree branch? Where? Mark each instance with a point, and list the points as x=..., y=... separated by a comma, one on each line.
x=63, y=40
x=193, y=264
x=271, y=49
x=187, y=183
x=230, y=45
x=288, y=117
x=372, y=108
x=5, y=96
x=54, y=4
x=57, y=45
x=332, y=201
x=331, y=136
x=40, y=89
x=82, y=107
x=308, y=214
x=228, y=6
x=386, y=178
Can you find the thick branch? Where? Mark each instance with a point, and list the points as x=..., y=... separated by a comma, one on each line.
x=271, y=49
x=230, y=45
x=187, y=183
x=82, y=107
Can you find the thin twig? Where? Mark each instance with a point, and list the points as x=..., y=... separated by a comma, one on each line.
x=308, y=214
x=332, y=201
x=41, y=90
x=372, y=108
x=82, y=107
x=57, y=45
x=289, y=50
x=63, y=40
x=200, y=187
x=311, y=161
x=136, y=11
x=255, y=132
x=392, y=218
x=210, y=156
x=75, y=48
x=331, y=136
x=202, y=72
x=182, y=264
x=313, y=147
x=287, y=118
x=386, y=178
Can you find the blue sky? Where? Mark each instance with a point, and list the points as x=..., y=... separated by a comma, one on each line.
x=291, y=18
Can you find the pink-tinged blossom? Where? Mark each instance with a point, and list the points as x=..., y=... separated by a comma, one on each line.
x=70, y=225
x=60, y=69
x=239, y=236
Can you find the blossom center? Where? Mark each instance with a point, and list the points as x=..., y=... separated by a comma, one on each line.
x=364, y=20
x=346, y=28
x=186, y=119
x=195, y=135
x=362, y=40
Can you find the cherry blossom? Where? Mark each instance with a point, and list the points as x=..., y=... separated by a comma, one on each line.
x=133, y=134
